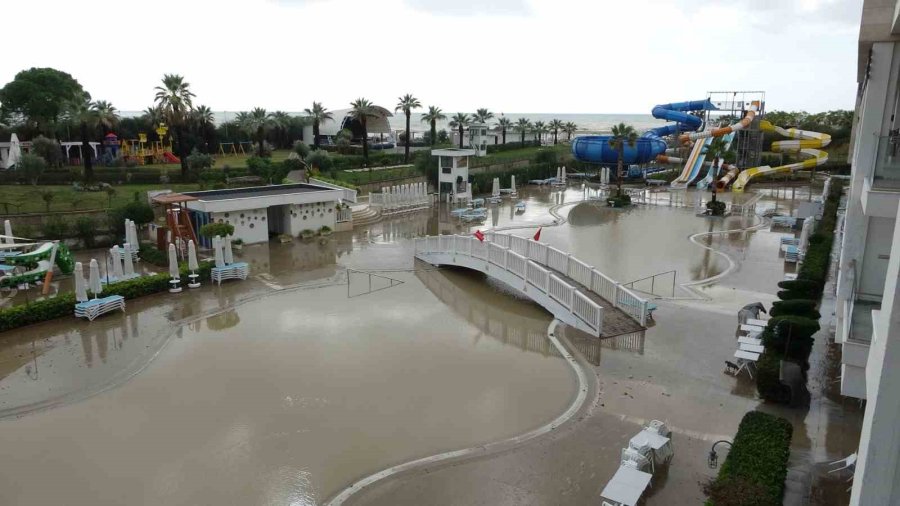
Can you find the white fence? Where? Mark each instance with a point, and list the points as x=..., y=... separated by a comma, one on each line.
x=397, y=199
x=536, y=262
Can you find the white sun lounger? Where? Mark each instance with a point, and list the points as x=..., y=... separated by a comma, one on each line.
x=753, y=321
x=626, y=487
x=744, y=360
x=749, y=340
x=746, y=327
x=752, y=348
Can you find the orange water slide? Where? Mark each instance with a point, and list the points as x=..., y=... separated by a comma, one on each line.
x=743, y=123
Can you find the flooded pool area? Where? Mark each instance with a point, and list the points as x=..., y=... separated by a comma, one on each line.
x=342, y=356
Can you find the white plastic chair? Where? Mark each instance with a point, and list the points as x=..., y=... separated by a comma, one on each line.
x=846, y=463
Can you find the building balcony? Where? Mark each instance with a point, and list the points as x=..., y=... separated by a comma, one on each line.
x=887, y=164
x=855, y=350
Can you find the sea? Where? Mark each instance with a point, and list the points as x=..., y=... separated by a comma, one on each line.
x=587, y=123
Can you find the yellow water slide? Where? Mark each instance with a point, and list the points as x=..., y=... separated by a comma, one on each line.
x=805, y=142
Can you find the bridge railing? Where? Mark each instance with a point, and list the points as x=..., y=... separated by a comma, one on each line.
x=538, y=258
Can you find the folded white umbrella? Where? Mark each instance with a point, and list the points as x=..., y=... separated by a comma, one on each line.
x=217, y=251
x=80, y=284
x=116, y=255
x=173, y=262
x=7, y=230
x=128, y=262
x=193, y=265
x=229, y=255
x=132, y=229
x=94, y=282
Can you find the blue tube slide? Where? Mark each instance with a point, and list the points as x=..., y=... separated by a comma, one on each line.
x=596, y=148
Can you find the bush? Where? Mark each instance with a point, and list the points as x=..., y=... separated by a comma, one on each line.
x=510, y=146
x=301, y=149
x=768, y=378
x=623, y=200
x=807, y=286
x=197, y=161
x=48, y=149
x=320, y=160
x=211, y=230
x=54, y=228
x=293, y=163
x=86, y=230
x=139, y=212
x=757, y=462
x=546, y=156
x=32, y=166
x=736, y=492
x=791, y=335
x=716, y=207
x=797, y=307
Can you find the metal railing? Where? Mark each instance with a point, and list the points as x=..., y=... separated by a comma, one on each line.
x=536, y=262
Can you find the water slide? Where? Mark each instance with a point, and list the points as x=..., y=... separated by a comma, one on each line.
x=37, y=263
x=596, y=148
x=805, y=142
x=692, y=166
x=169, y=157
x=706, y=181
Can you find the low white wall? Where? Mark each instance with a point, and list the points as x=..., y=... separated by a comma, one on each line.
x=309, y=216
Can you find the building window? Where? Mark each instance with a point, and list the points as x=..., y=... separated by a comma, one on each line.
x=446, y=170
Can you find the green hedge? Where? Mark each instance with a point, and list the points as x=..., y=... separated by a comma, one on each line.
x=64, y=304
x=483, y=182
x=797, y=307
x=756, y=467
x=511, y=146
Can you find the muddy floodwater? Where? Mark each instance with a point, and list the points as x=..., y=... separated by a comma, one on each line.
x=343, y=356
x=287, y=399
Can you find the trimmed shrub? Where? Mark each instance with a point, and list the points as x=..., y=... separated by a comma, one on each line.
x=808, y=286
x=301, y=149
x=792, y=336
x=768, y=381
x=510, y=146
x=756, y=466
x=797, y=307
x=623, y=200
x=716, y=208
x=211, y=230
x=55, y=227
x=86, y=230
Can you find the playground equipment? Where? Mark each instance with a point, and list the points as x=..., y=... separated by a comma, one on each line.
x=803, y=142
x=235, y=148
x=145, y=152
x=34, y=262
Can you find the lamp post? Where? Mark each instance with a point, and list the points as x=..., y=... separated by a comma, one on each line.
x=713, y=458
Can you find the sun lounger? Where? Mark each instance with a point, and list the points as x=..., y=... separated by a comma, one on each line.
x=791, y=254
x=95, y=307
x=626, y=487
x=753, y=348
x=237, y=270
x=746, y=327
x=749, y=340
x=745, y=359
x=754, y=321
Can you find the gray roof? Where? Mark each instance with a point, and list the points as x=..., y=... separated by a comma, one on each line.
x=256, y=191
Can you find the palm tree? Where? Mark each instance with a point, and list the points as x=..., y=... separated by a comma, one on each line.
x=716, y=149
x=570, y=128
x=317, y=114
x=407, y=103
x=556, y=125
x=539, y=129
x=280, y=122
x=255, y=123
x=482, y=116
x=622, y=134
x=81, y=112
x=106, y=116
x=522, y=126
x=361, y=110
x=460, y=121
x=203, y=117
x=175, y=101
x=504, y=124
x=431, y=117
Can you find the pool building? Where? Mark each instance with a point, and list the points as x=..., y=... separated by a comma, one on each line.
x=257, y=213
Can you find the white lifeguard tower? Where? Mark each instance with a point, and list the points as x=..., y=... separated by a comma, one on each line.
x=478, y=135
x=453, y=173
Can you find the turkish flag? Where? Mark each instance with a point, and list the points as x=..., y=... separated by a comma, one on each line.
x=537, y=235
x=479, y=235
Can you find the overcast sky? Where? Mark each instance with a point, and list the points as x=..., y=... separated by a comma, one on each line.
x=563, y=56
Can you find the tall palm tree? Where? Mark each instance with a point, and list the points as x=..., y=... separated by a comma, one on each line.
x=716, y=149
x=431, y=117
x=106, y=116
x=407, y=103
x=460, y=121
x=361, y=110
x=255, y=123
x=622, y=134
x=504, y=124
x=482, y=116
x=522, y=126
x=81, y=113
x=555, y=125
x=204, y=119
x=570, y=128
x=280, y=122
x=317, y=114
x=539, y=129
x=175, y=100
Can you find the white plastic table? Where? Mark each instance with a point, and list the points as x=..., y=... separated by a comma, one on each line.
x=749, y=340
x=752, y=348
x=627, y=486
x=754, y=321
x=745, y=358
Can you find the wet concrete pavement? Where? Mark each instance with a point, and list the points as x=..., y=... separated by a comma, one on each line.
x=223, y=410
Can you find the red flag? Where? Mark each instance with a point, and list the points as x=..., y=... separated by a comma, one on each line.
x=537, y=235
x=479, y=235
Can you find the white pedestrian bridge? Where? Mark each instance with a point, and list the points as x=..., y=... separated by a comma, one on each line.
x=573, y=291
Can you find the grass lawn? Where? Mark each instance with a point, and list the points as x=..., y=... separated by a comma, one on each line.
x=29, y=199
x=363, y=177
x=233, y=161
